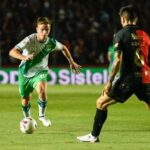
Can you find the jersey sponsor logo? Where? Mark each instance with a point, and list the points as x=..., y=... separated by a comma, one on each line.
x=95, y=76
x=43, y=76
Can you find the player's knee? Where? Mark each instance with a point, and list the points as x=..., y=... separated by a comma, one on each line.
x=148, y=105
x=25, y=101
x=100, y=104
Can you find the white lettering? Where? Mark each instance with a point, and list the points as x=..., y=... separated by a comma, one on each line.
x=88, y=77
x=73, y=78
x=53, y=77
x=4, y=78
x=64, y=77
x=80, y=79
x=97, y=78
x=13, y=77
x=105, y=76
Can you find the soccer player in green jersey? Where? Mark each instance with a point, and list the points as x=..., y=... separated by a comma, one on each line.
x=33, y=51
x=110, y=57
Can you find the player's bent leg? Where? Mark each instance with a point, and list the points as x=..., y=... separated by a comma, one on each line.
x=41, y=89
x=100, y=117
x=101, y=113
x=147, y=105
x=26, y=107
x=42, y=102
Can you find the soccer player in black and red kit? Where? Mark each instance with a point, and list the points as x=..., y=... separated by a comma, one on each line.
x=130, y=73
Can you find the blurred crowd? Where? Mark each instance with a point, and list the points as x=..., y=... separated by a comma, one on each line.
x=85, y=27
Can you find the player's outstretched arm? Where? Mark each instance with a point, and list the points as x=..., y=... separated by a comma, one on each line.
x=115, y=68
x=73, y=65
x=15, y=53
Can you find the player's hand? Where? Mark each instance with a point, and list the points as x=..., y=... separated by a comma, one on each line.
x=107, y=88
x=29, y=57
x=75, y=67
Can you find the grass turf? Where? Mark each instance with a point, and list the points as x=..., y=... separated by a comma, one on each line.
x=71, y=109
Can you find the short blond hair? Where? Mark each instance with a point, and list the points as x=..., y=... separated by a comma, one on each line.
x=43, y=20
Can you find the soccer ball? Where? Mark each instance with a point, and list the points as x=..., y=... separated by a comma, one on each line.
x=28, y=125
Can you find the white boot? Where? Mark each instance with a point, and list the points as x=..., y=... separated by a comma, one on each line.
x=88, y=138
x=46, y=122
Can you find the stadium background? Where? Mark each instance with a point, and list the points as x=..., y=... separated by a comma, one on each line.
x=85, y=27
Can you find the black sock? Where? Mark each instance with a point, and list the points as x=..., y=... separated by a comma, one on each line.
x=99, y=120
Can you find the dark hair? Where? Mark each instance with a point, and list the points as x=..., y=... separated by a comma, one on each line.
x=43, y=20
x=129, y=12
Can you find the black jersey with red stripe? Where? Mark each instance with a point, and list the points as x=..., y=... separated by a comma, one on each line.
x=134, y=44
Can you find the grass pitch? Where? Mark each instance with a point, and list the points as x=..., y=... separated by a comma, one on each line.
x=71, y=110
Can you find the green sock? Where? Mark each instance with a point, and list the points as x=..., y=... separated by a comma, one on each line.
x=26, y=110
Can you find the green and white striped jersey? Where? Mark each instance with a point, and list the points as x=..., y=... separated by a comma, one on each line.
x=29, y=45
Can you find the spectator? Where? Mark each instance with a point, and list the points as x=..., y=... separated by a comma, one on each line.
x=93, y=23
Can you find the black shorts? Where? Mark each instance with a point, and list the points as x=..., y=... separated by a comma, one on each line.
x=124, y=87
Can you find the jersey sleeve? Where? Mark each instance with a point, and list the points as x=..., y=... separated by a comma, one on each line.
x=117, y=42
x=23, y=44
x=59, y=46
